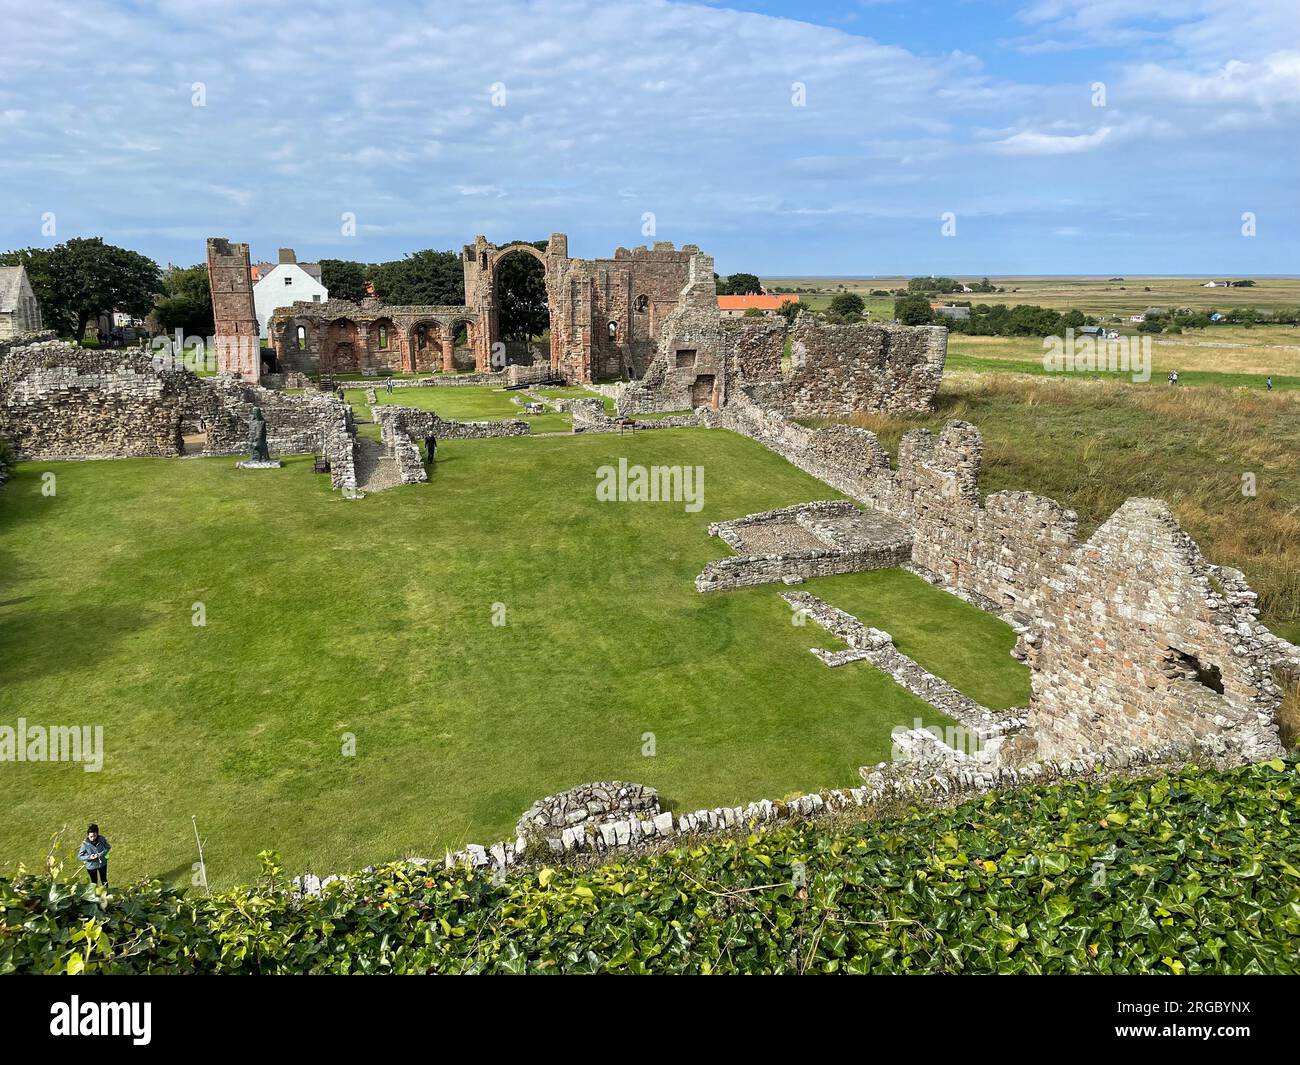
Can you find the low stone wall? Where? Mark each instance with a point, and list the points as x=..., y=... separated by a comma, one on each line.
x=586, y=805
x=816, y=540
x=924, y=780
x=876, y=646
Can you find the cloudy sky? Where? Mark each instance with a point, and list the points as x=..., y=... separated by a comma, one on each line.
x=1057, y=136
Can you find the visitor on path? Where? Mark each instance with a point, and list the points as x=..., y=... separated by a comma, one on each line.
x=1173, y=377
x=1268, y=382
x=93, y=854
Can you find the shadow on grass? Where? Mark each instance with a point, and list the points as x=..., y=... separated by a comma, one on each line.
x=38, y=644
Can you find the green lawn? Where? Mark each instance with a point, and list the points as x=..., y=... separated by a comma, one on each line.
x=326, y=617
x=468, y=403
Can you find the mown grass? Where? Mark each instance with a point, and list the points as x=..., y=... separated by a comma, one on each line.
x=462, y=403
x=328, y=619
x=1091, y=444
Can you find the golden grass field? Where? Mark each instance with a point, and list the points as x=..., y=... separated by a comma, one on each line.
x=1272, y=349
x=1096, y=296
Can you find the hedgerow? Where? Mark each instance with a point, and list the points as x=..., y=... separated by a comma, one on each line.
x=1194, y=872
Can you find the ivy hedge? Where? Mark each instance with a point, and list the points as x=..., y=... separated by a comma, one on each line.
x=1194, y=872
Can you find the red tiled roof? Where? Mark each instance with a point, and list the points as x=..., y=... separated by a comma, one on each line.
x=763, y=303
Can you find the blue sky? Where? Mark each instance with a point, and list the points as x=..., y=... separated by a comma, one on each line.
x=614, y=109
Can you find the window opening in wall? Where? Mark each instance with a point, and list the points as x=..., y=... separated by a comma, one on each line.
x=1179, y=665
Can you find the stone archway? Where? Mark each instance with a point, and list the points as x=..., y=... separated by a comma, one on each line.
x=424, y=345
x=342, y=346
x=490, y=356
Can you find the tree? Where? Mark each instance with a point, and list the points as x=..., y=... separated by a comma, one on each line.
x=743, y=285
x=790, y=310
x=523, y=311
x=186, y=302
x=913, y=310
x=848, y=305
x=344, y=279
x=933, y=284
x=84, y=277
x=423, y=277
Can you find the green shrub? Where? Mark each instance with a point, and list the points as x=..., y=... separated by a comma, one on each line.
x=1197, y=871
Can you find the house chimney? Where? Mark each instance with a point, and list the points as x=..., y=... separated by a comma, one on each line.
x=287, y=256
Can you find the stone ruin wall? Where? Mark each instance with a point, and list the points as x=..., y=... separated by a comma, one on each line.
x=62, y=401
x=1138, y=641
x=238, y=338
x=997, y=553
x=862, y=369
x=59, y=401
x=1114, y=629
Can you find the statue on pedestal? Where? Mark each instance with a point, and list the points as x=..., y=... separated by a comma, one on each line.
x=259, y=455
x=257, y=449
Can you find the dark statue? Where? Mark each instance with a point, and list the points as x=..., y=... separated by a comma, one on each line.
x=257, y=449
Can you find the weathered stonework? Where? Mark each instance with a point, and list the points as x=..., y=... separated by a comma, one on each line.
x=804, y=541
x=1138, y=641
x=238, y=338
x=862, y=369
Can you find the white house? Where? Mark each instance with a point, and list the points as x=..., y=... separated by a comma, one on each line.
x=280, y=284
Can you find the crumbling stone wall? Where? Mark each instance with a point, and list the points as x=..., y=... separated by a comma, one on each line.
x=862, y=368
x=997, y=552
x=62, y=401
x=1137, y=640
x=575, y=809
x=606, y=314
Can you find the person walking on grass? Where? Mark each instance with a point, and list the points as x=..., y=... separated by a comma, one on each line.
x=1268, y=382
x=93, y=854
x=388, y=384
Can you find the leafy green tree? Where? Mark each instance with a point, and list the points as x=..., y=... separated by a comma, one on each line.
x=743, y=285
x=790, y=310
x=82, y=278
x=848, y=305
x=913, y=310
x=186, y=302
x=1074, y=318
x=423, y=277
x=522, y=308
x=933, y=284
x=344, y=279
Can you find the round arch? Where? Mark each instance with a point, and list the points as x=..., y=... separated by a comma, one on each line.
x=489, y=353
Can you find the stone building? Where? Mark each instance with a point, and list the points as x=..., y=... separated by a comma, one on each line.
x=606, y=316
x=19, y=311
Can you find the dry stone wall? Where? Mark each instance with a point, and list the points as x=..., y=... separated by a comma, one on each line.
x=1137, y=640
x=862, y=368
x=61, y=401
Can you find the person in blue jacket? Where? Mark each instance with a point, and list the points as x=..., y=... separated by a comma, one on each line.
x=93, y=854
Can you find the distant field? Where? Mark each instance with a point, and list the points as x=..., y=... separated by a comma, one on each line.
x=1097, y=296
x=1231, y=355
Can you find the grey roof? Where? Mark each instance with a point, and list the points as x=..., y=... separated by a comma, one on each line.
x=11, y=284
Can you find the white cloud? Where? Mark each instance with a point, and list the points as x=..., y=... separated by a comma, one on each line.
x=1028, y=142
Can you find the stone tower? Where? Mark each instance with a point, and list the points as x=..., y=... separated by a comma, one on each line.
x=239, y=343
